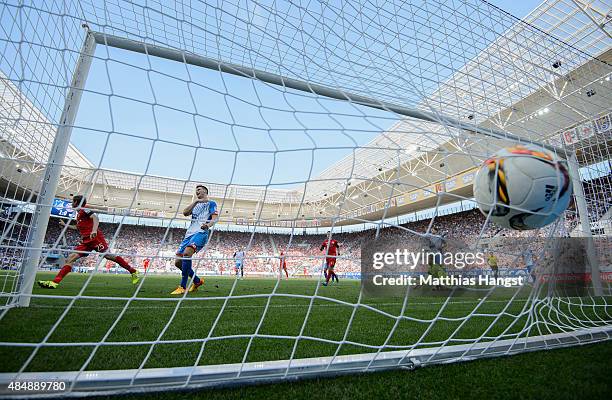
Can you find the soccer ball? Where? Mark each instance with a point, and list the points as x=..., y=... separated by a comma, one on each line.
x=526, y=186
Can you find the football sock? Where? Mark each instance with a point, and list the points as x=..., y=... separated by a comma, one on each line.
x=188, y=273
x=62, y=273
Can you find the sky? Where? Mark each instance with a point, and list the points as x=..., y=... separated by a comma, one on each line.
x=157, y=117
x=518, y=8
x=231, y=121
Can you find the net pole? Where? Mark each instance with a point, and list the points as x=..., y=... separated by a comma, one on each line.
x=585, y=224
x=296, y=84
x=53, y=169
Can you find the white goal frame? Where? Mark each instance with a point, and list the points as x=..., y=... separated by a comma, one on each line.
x=71, y=106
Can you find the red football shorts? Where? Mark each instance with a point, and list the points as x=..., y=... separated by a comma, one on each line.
x=96, y=244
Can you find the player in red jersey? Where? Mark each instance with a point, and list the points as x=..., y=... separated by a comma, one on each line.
x=332, y=249
x=92, y=239
x=283, y=265
x=146, y=263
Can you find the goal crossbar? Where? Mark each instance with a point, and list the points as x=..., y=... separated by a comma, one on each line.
x=296, y=84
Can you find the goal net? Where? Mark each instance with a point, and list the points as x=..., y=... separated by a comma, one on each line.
x=361, y=123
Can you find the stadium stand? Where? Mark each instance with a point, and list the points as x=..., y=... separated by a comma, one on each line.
x=304, y=256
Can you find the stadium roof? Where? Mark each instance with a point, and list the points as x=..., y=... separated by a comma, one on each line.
x=26, y=132
x=579, y=24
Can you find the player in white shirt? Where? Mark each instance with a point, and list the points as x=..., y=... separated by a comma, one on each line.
x=203, y=216
x=239, y=257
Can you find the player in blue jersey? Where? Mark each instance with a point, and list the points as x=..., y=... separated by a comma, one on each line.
x=203, y=216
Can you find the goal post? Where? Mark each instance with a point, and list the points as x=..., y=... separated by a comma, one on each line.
x=585, y=225
x=51, y=177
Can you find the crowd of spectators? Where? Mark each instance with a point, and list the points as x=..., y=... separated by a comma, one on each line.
x=14, y=234
x=303, y=253
x=598, y=195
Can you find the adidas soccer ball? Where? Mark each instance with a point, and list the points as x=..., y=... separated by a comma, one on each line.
x=526, y=186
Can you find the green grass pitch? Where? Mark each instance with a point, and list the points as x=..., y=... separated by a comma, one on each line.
x=89, y=320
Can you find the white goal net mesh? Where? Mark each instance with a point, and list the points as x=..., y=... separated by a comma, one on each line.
x=358, y=121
